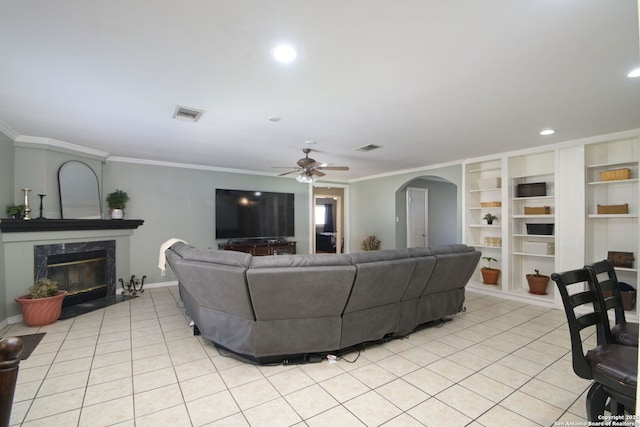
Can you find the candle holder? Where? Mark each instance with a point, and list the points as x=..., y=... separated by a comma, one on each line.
x=134, y=286
x=27, y=209
x=41, y=209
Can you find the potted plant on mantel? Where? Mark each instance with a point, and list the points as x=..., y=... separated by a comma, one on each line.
x=43, y=305
x=537, y=283
x=490, y=275
x=15, y=211
x=117, y=201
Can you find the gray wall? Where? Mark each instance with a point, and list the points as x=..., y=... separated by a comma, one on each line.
x=37, y=168
x=180, y=203
x=6, y=198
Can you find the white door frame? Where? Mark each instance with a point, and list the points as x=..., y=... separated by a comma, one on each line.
x=338, y=220
x=426, y=214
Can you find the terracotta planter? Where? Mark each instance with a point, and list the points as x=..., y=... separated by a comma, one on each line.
x=538, y=284
x=41, y=311
x=490, y=276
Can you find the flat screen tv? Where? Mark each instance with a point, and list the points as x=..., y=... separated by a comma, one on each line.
x=242, y=214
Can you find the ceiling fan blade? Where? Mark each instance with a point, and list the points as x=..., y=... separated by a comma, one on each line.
x=287, y=173
x=334, y=168
x=317, y=172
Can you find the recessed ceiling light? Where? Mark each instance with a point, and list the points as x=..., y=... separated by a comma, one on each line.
x=547, y=132
x=310, y=142
x=285, y=53
x=634, y=73
x=274, y=119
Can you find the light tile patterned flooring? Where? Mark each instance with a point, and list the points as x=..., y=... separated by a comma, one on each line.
x=138, y=364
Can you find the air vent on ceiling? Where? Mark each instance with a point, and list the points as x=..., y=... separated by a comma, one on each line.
x=368, y=147
x=187, y=114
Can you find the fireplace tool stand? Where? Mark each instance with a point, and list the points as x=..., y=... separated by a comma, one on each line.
x=133, y=286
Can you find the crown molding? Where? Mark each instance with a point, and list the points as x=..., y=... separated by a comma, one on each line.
x=56, y=145
x=4, y=128
x=184, y=165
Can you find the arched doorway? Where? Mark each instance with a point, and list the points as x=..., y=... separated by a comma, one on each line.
x=440, y=210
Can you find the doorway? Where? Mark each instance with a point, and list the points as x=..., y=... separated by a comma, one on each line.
x=417, y=217
x=328, y=220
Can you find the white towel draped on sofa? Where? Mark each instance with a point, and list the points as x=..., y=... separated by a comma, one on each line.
x=162, y=259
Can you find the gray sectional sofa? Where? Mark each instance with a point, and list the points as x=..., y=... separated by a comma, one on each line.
x=279, y=307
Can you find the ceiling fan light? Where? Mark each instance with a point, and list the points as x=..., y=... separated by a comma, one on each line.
x=306, y=178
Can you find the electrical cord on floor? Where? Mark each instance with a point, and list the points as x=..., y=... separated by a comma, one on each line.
x=350, y=361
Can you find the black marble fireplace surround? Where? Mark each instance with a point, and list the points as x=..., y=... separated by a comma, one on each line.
x=72, y=253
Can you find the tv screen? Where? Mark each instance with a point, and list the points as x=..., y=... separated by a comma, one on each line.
x=253, y=214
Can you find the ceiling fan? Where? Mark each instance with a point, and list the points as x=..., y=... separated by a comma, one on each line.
x=310, y=170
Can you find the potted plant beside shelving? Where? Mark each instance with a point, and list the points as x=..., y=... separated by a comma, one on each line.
x=490, y=218
x=117, y=201
x=43, y=304
x=537, y=283
x=490, y=275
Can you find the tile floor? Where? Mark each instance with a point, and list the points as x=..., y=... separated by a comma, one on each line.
x=138, y=364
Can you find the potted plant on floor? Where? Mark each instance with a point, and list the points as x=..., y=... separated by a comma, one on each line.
x=117, y=201
x=371, y=243
x=490, y=218
x=43, y=305
x=537, y=283
x=490, y=275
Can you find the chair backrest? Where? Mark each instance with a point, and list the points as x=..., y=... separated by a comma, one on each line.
x=577, y=293
x=608, y=288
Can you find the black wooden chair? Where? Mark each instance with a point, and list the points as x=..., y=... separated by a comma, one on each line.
x=612, y=367
x=608, y=288
x=10, y=350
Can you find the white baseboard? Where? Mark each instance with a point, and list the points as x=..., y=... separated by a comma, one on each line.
x=160, y=284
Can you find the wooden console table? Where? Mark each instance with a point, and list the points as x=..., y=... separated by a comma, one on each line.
x=260, y=248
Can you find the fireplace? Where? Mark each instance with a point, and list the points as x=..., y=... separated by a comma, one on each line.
x=86, y=270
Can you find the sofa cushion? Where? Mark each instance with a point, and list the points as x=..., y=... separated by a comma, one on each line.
x=382, y=278
x=188, y=252
x=312, y=260
x=299, y=286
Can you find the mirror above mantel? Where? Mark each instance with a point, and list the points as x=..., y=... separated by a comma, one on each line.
x=79, y=191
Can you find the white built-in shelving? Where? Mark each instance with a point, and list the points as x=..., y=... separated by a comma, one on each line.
x=581, y=234
x=606, y=231
x=532, y=234
x=484, y=196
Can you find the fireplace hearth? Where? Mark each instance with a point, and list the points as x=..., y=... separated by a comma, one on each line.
x=87, y=270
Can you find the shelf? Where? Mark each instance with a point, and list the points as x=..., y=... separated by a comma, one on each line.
x=618, y=216
x=534, y=255
x=20, y=225
x=613, y=165
x=496, y=226
x=615, y=181
x=544, y=216
x=631, y=270
x=547, y=236
x=480, y=190
x=484, y=246
x=517, y=199
x=480, y=170
x=534, y=176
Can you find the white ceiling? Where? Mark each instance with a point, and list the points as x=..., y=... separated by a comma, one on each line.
x=431, y=81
